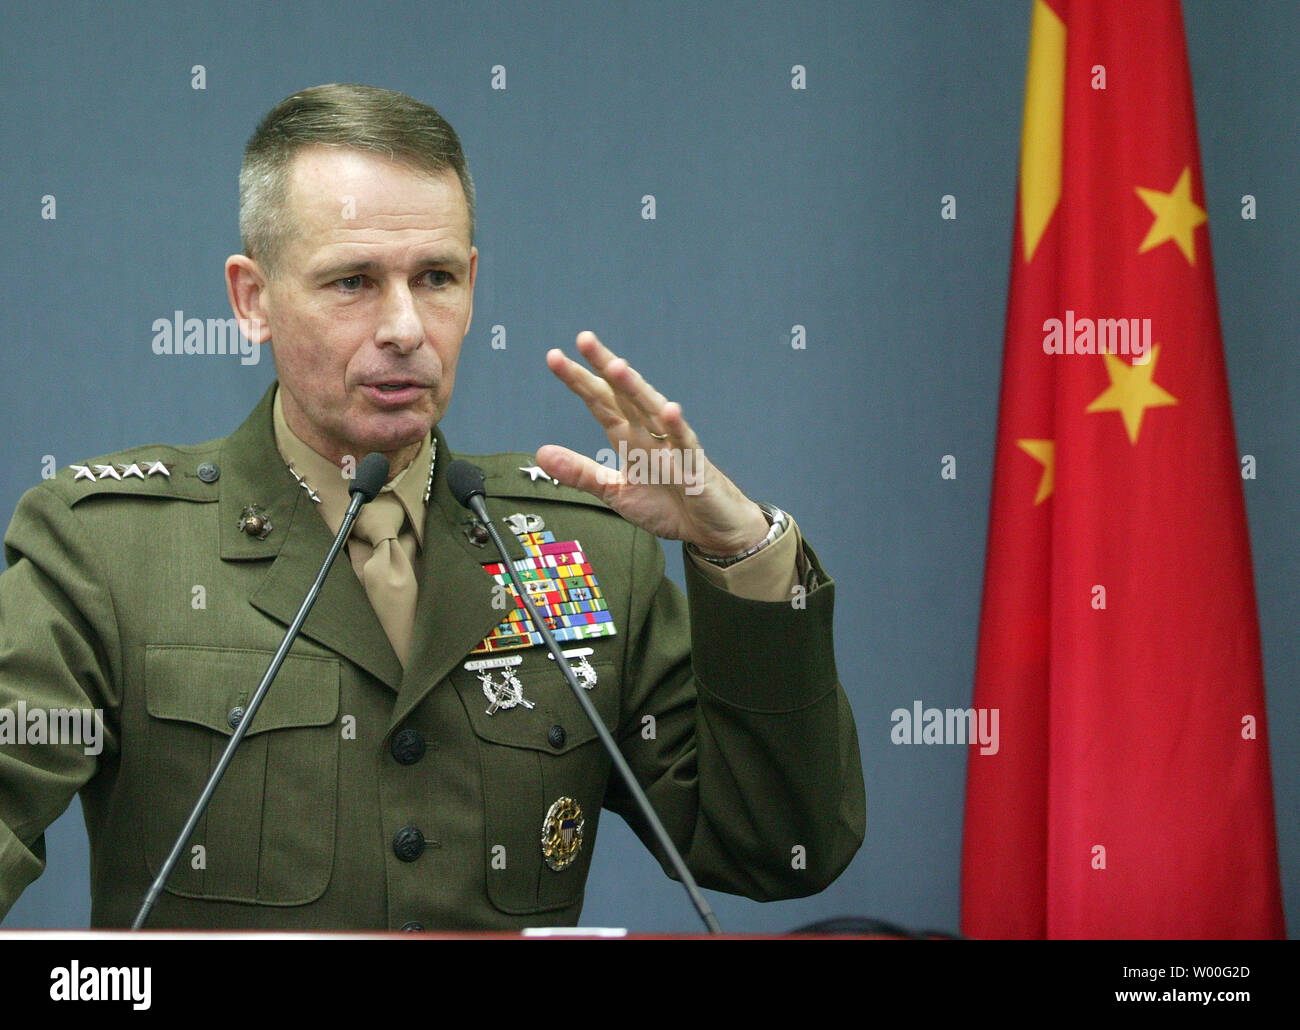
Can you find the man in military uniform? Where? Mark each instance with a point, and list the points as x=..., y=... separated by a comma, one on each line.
x=419, y=761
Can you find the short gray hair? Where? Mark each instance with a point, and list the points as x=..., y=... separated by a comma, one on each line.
x=359, y=117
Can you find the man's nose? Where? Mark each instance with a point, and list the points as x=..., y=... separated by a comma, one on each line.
x=399, y=321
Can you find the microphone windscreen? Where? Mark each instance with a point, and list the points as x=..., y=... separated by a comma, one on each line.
x=465, y=480
x=372, y=474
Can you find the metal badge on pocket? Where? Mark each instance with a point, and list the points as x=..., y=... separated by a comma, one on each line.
x=507, y=693
x=562, y=833
x=584, y=670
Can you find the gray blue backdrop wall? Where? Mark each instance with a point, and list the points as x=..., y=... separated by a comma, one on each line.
x=775, y=207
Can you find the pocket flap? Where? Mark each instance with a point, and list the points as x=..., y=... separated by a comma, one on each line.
x=554, y=707
x=202, y=685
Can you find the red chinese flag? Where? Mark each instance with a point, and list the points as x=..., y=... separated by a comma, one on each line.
x=1130, y=794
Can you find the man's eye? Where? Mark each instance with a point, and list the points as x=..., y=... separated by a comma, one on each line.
x=439, y=277
x=350, y=284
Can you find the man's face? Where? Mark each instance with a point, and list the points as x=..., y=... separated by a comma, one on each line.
x=371, y=302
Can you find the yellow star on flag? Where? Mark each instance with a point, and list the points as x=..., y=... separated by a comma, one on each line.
x=1176, y=217
x=1044, y=452
x=1131, y=391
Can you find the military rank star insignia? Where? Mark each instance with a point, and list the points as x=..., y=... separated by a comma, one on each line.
x=536, y=472
x=137, y=469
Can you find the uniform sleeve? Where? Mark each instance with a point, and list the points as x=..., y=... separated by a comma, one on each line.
x=57, y=648
x=770, y=575
x=740, y=732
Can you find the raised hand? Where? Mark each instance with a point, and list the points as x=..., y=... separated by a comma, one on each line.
x=664, y=484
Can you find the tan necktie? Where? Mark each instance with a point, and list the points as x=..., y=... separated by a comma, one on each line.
x=387, y=575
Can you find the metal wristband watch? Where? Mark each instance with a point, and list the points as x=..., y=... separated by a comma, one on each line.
x=777, y=521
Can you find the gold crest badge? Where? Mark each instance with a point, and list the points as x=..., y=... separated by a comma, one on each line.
x=562, y=833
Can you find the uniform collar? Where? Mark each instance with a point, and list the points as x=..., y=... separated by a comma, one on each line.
x=252, y=471
x=326, y=480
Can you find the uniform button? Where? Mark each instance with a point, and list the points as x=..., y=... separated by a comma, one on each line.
x=235, y=716
x=407, y=746
x=556, y=735
x=408, y=843
x=477, y=533
x=208, y=472
x=412, y=927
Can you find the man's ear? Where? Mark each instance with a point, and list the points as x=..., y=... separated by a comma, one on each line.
x=473, y=276
x=246, y=288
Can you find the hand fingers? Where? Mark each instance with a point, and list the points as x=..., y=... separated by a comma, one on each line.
x=640, y=403
x=597, y=394
x=677, y=428
x=577, y=470
x=638, y=399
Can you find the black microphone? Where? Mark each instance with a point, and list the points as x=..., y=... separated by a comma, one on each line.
x=466, y=484
x=465, y=481
x=372, y=473
x=371, y=476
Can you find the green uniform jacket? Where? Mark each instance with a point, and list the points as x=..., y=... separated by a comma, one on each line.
x=142, y=598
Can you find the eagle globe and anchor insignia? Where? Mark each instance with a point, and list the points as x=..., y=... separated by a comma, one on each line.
x=255, y=521
x=562, y=833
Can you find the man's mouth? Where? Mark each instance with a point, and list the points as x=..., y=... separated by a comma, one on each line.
x=393, y=392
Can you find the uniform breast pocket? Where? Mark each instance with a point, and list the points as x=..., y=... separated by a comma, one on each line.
x=533, y=759
x=268, y=835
